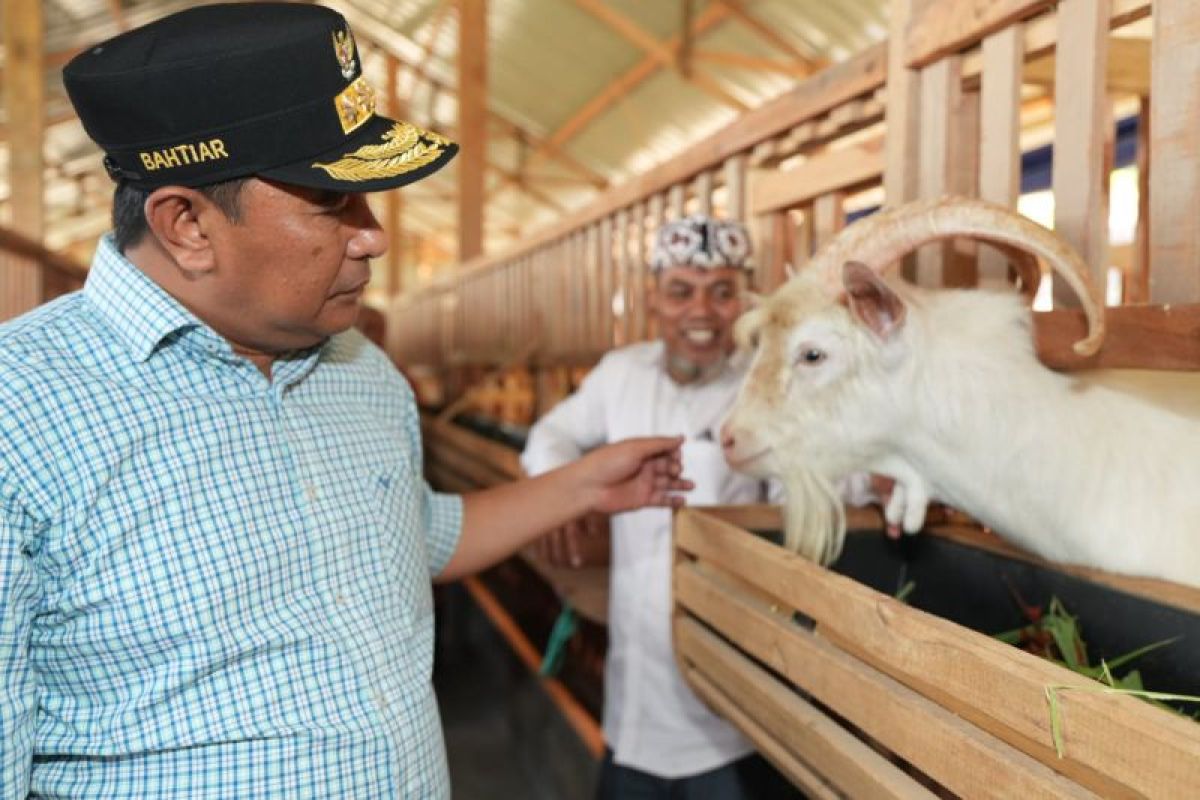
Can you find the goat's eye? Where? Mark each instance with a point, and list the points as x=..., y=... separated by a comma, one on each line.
x=811, y=356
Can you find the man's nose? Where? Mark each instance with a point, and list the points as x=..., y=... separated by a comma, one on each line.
x=369, y=241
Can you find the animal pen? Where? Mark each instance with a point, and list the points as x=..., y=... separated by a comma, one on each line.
x=873, y=697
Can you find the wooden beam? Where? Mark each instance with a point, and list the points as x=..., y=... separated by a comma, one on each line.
x=633, y=33
x=1175, y=154
x=371, y=28
x=1082, y=116
x=903, y=114
x=25, y=105
x=772, y=37
x=622, y=86
x=472, y=124
x=940, y=27
x=394, y=200
x=1000, y=135
x=843, y=170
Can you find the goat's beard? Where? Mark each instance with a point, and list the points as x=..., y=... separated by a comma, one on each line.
x=813, y=516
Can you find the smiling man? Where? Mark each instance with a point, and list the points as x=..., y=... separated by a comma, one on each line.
x=663, y=742
x=216, y=545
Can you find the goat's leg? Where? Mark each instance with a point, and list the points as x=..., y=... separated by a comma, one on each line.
x=910, y=498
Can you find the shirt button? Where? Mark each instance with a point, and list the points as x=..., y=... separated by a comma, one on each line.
x=310, y=491
x=340, y=599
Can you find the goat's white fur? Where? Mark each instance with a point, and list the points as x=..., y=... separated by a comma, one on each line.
x=956, y=406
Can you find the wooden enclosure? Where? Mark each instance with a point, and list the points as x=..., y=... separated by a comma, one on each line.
x=875, y=680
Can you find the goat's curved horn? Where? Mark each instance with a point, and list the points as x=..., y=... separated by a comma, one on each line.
x=882, y=239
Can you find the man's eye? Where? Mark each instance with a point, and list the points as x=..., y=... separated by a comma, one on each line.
x=811, y=356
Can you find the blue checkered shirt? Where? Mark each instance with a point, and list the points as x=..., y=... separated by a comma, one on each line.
x=212, y=585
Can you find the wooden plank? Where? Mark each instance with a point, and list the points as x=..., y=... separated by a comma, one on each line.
x=1081, y=115
x=624, y=271
x=735, y=186
x=1137, y=281
x=640, y=278
x=903, y=114
x=941, y=98
x=25, y=103
x=800, y=774
x=845, y=169
x=497, y=456
x=704, y=190
x=1141, y=337
x=829, y=218
x=1127, y=72
x=959, y=756
x=1000, y=131
x=608, y=284
x=472, y=125
x=784, y=717
x=677, y=201
x=1041, y=33
x=1109, y=739
x=942, y=27
x=1175, y=154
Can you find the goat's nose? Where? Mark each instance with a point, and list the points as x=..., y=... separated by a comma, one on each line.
x=727, y=440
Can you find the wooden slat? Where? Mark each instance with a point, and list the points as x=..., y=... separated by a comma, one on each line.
x=1080, y=116
x=1109, y=739
x=499, y=457
x=800, y=774
x=829, y=218
x=903, y=113
x=1145, y=337
x=704, y=190
x=1175, y=154
x=847, y=169
x=782, y=716
x=1000, y=130
x=941, y=27
x=964, y=759
x=1137, y=282
x=677, y=201
x=941, y=99
x=472, y=125
x=735, y=186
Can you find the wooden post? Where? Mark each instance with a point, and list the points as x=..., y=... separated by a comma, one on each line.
x=394, y=200
x=1000, y=129
x=1137, y=282
x=903, y=121
x=1081, y=112
x=25, y=102
x=1175, y=154
x=941, y=101
x=472, y=124
x=735, y=186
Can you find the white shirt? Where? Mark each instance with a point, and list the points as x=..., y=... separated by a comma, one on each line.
x=652, y=720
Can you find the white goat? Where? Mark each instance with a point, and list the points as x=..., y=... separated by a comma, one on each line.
x=941, y=390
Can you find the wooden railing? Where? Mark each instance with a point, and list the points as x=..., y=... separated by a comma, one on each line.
x=951, y=83
x=29, y=269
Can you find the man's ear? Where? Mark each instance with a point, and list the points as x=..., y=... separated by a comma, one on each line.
x=872, y=302
x=173, y=215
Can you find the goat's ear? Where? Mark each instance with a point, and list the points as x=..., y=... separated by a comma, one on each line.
x=872, y=302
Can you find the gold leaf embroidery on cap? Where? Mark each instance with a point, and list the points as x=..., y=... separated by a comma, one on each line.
x=343, y=47
x=355, y=104
x=402, y=151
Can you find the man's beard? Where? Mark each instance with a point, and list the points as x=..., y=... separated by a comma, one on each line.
x=683, y=370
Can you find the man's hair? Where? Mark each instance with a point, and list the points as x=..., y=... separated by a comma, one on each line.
x=129, y=208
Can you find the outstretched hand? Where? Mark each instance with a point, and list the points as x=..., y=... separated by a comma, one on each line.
x=635, y=473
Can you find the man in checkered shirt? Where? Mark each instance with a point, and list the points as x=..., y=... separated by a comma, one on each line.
x=216, y=545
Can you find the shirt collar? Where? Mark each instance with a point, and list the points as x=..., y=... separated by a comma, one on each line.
x=140, y=311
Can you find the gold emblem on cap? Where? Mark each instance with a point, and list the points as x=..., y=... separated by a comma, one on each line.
x=402, y=151
x=343, y=46
x=355, y=104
